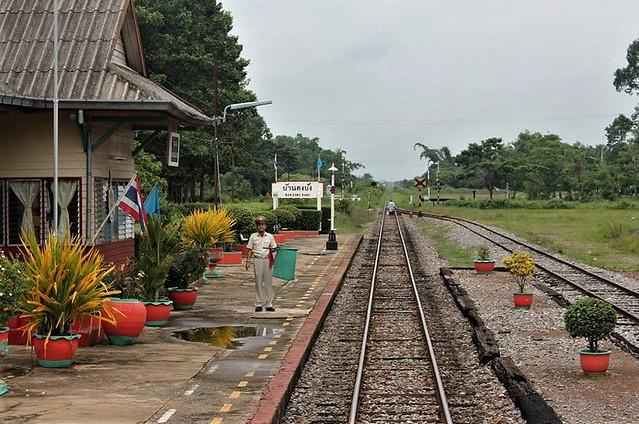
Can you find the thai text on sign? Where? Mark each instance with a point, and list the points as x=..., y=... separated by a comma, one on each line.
x=298, y=189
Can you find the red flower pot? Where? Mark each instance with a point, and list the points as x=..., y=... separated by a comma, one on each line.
x=242, y=248
x=594, y=362
x=16, y=334
x=484, y=266
x=157, y=313
x=523, y=300
x=183, y=298
x=90, y=329
x=57, y=352
x=130, y=316
x=4, y=339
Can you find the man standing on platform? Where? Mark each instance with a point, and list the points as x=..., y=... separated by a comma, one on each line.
x=261, y=247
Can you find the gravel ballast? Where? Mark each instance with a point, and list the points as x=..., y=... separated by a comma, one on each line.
x=539, y=346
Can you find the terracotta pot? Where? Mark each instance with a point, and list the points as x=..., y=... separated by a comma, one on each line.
x=157, y=313
x=484, y=266
x=183, y=298
x=523, y=300
x=594, y=362
x=16, y=334
x=57, y=352
x=242, y=248
x=130, y=316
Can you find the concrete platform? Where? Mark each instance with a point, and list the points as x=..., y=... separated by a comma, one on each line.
x=162, y=379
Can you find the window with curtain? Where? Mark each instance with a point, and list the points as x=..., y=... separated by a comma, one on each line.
x=24, y=209
x=38, y=215
x=68, y=206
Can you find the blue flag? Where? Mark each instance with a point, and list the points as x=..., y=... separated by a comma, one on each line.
x=152, y=202
x=319, y=163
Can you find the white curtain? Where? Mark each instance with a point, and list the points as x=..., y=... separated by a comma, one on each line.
x=26, y=191
x=66, y=190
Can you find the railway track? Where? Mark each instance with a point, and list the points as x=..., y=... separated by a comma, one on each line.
x=397, y=385
x=575, y=281
x=398, y=378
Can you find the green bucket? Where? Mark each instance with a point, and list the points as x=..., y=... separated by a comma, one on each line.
x=285, y=260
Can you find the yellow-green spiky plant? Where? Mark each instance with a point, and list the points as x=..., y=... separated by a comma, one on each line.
x=67, y=283
x=204, y=229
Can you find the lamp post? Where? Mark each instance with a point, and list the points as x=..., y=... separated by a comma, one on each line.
x=222, y=119
x=331, y=244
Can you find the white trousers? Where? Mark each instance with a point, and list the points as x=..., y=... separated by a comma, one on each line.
x=263, y=283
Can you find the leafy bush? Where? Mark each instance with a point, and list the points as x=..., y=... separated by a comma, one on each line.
x=188, y=208
x=287, y=215
x=187, y=267
x=67, y=283
x=127, y=279
x=156, y=256
x=554, y=203
x=592, y=319
x=483, y=254
x=203, y=229
x=309, y=219
x=244, y=220
x=344, y=206
x=522, y=266
x=14, y=286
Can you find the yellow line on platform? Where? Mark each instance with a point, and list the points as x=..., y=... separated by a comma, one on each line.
x=262, y=356
x=226, y=408
x=272, y=342
x=217, y=420
x=285, y=324
x=268, y=349
x=242, y=383
x=250, y=374
x=234, y=395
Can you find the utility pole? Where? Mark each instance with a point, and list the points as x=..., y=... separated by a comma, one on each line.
x=217, y=196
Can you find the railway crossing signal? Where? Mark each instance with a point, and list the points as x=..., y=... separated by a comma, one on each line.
x=420, y=184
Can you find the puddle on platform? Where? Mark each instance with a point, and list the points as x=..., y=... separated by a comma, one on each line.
x=225, y=337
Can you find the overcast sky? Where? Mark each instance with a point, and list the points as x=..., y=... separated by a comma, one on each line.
x=374, y=77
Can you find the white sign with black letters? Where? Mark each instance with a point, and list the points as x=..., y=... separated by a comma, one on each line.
x=298, y=189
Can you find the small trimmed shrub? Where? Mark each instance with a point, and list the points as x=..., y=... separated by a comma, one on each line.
x=309, y=219
x=286, y=216
x=483, y=254
x=592, y=319
x=13, y=287
x=522, y=266
x=187, y=267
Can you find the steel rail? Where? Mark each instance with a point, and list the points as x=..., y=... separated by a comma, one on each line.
x=369, y=310
x=623, y=311
x=441, y=393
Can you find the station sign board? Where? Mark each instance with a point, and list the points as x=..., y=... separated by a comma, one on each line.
x=297, y=189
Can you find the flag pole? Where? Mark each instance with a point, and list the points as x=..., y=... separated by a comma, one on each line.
x=115, y=206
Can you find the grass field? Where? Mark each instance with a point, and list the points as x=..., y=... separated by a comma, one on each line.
x=602, y=237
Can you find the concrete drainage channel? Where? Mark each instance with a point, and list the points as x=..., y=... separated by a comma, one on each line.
x=534, y=409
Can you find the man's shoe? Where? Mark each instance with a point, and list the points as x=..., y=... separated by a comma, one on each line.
x=259, y=309
x=270, y=309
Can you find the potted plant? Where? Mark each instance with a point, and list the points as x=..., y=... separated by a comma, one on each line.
x=157, y=255
x=13, y=289
x=132, y=314
x=522, y=266
x=186, y=270
x=594, y=320
x=483, y=262
x=66, y=283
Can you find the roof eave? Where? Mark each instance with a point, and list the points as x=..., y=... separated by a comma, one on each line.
x=149, y=105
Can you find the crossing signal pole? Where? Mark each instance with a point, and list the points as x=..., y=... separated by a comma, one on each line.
x=420, y=184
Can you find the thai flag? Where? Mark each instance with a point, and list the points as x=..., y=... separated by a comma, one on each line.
x=131, y=203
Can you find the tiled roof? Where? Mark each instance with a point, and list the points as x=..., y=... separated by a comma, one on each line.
x=88, y=32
